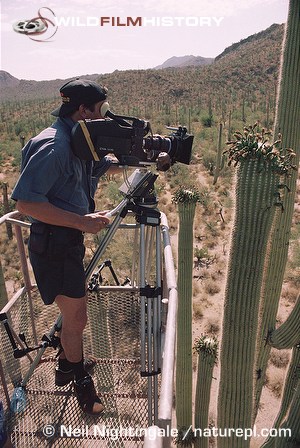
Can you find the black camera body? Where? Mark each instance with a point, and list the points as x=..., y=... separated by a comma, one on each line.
x=130, y=139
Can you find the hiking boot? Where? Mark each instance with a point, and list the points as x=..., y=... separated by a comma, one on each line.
x=62, y=378
x=87, y=397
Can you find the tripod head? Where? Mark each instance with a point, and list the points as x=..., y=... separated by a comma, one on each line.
x=140, y=187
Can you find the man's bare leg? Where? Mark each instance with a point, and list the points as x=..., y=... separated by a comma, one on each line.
x=74, y=318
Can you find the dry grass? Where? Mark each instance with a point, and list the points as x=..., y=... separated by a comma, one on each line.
x=205, y=300
x=212, y=287
x=196, y=288
x=280, y=358
x=197, y=311
x=275, y=382
x=212, y=325
x=218, y=274
x=290, y=293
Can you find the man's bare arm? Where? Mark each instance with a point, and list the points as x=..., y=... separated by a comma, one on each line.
x=50, y=214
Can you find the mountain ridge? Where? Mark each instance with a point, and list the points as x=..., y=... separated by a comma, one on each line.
x=8, y=80
x=184, y=61
x=246, y=63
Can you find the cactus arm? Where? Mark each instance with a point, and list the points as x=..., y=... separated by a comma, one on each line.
x=288, y=334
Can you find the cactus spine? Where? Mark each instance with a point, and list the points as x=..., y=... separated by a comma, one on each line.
x=286, y=122
x=259, y=167
x=186, y=200
x=207, y=349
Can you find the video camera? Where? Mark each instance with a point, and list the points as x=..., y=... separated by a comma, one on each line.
x=126, y=137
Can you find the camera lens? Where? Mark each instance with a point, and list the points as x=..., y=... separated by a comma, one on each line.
x=157, y=143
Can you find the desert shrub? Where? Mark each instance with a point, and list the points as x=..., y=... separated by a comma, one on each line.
x=201, y=253
x=197, y=310
x=280, y=358
x=207, y=121
x=290, y=292
x=275, y=382
x=212, y=325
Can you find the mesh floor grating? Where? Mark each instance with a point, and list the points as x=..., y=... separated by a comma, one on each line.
x=52, y=417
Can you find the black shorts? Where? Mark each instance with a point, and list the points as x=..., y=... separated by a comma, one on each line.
x=56, y=255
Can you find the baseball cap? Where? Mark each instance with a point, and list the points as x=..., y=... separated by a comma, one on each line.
x=76, y=92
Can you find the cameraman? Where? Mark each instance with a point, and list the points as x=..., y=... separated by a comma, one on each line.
x=56, y=190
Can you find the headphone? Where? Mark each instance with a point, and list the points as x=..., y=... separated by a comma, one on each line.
x=104, y=108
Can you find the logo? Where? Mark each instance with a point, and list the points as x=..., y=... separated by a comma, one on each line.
x=40, y=28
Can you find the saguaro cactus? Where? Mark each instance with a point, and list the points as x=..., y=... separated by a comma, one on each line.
x=186, y=200
x=259, y=167
x=287, y=123
x=207, y=349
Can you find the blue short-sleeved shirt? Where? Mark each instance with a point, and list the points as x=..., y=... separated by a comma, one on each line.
x=50, y=172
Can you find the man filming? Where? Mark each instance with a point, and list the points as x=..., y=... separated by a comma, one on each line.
x=56, y=190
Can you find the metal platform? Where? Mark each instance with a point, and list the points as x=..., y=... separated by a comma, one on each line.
x=116, y=375
x=133, y=401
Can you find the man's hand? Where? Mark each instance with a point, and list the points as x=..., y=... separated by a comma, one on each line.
x=163, y=162
x=93, y=222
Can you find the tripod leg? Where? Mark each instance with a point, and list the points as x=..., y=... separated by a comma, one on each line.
x=104, y=243
x=134, y=279
x=143, y=298
x=150, y=241
x=56, y=327
x=150, y=233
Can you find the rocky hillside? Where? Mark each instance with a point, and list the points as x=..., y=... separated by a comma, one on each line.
x=8, y=81
x=185, y=61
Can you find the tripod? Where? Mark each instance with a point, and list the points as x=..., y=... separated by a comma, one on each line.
x=139, y=199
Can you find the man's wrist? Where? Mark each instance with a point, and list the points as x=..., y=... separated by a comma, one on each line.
x=80, y=223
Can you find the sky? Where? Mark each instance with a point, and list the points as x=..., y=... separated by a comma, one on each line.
x=164, y=28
